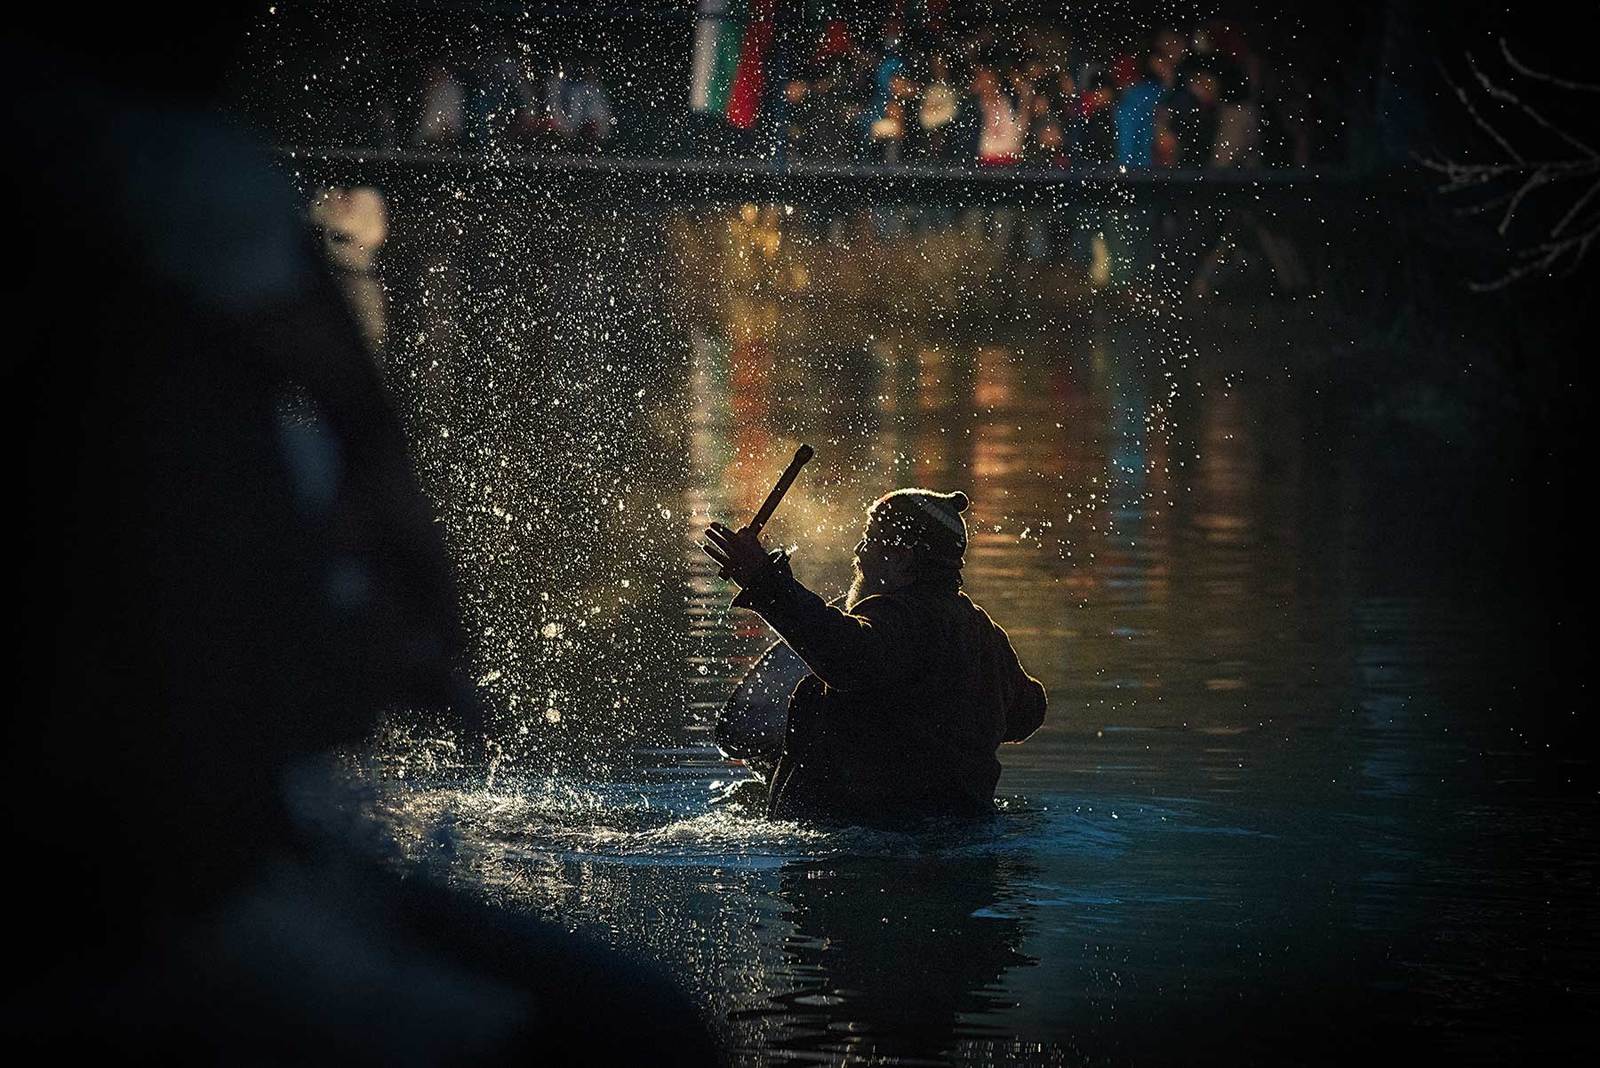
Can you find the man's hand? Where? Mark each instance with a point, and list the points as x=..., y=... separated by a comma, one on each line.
x=737, y=552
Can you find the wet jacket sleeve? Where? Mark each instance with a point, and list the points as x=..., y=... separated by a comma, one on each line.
x=1025, y=696
x=866, y=647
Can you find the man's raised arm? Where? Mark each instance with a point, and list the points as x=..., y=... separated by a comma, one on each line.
x=846, y=650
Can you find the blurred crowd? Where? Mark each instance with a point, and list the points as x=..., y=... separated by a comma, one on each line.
x=1037, y=96
x=859, y=90
x=503, y=98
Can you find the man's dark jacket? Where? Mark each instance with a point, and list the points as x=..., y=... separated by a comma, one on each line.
x=911, y=693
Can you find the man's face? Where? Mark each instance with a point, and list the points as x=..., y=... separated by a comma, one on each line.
x=871, y=558
x=880, y=558
x=879, y=567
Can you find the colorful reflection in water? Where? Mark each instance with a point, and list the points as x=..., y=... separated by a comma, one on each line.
x=1272, y=811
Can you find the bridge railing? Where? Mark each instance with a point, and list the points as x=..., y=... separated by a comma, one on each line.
x=503, y=175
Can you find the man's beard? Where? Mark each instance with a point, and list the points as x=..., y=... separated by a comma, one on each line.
x=860, y=588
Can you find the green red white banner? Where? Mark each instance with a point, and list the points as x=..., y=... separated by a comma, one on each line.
x=728, y=64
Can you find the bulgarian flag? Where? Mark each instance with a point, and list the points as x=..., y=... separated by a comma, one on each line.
x=728, y=69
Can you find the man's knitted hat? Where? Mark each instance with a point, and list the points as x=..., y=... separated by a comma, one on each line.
x=923, y=520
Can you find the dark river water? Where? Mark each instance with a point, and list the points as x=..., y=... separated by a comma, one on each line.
x=1280, y=809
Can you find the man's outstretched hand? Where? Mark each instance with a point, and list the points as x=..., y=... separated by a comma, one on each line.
x=737, y=552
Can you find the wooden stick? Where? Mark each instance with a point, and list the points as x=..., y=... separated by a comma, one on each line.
x=770, y=505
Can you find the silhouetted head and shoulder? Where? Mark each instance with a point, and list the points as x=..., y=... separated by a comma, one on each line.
x=914, y=538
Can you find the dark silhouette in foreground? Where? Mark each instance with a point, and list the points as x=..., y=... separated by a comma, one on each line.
x=912, y=687
x=226, y=569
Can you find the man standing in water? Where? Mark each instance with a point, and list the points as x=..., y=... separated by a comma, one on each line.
x=912, y=686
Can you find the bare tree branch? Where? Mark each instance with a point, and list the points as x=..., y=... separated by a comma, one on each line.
x=1535, y=180
x=1550, y=79
x=1513, y=181
x=1482, y=123
x=1505, y=96
x=1576, y=210
x=1545, y=258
